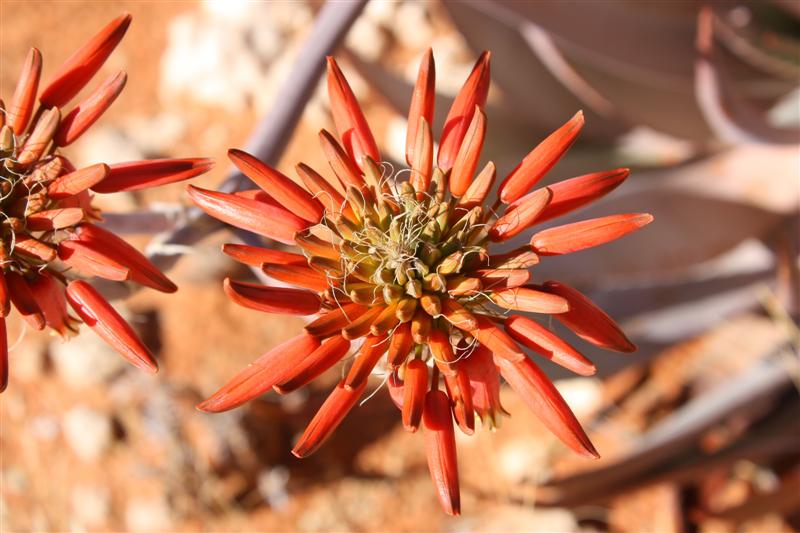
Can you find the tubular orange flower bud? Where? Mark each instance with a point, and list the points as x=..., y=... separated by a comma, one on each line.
x=541, y=159
x=515, y=259
x=33, y=249
x=521, y=215
x=484, y=380
x=385, y=321
x=40, y=137
x=327, y=419
x=420, y=326
x=464, y=286
x=360, y=326
x=89, y=261
x=324, y=191
x=328, y=354
x=49, y=296
x=351, y=125
x=262, y=374
x=344, y=167
x=422, y=103
x=479, y=189
x=400, y=345
x=297, y=275
x=440, y=447
x=587, y=233
x=472, y=94
x=497, y=341
x=282, y=189
x=81, y=66
x=396, y=389
x=588, y=321
x=98, y=314
x=3, y=355
x=87, y=112
x=571, y=194
x=422, y=164
x=251, y=215
x=371, y=351
x=458, y=316
x=257, y=256
x=137, y=175
x=335, y=320
x=272, y=299
x=415, y=383
x=460, y=392
x=5, y=303
x=544, y=342
x=541, y=396
x=530, y=300
x=500, y=279
x=21, y=105
x=54, y=219
x=24, y=301
x=442, y=352
x=77, y=181
x=468, y=155
x=313, y=245
x=142, y=271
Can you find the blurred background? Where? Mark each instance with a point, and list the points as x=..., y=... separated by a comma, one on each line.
x=699, y=430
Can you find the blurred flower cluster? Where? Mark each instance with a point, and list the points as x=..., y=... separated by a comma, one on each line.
x=49, y=232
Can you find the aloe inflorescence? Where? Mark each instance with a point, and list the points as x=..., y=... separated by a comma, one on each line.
x=400, y=266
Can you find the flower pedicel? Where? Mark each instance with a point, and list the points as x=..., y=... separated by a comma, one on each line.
x=48, y=231
x=405, y=268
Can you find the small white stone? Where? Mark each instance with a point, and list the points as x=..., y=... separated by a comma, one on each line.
x=148, y=515
x=395, y=140
x=412, y=26
x=15, y=480
x=366, y=39
x=230, y=11
x=45, y=427
x=520, y=460
x=272, y=486
x=85, y=360
x=381, y=11
x=290, y=15
x=91, y=506
x=152, y=134
x=104, y=144
x=583, y=395
x=88, y=432
x=225, y=56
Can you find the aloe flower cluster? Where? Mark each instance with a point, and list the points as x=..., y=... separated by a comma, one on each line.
x=399, y=267
x=49, y=234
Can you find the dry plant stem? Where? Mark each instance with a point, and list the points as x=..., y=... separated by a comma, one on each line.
x=731, y=117
x=273, y=133
x=663, y=442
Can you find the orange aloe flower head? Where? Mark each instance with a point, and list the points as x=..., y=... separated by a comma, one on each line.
x=400, y=276
x=49, y=233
